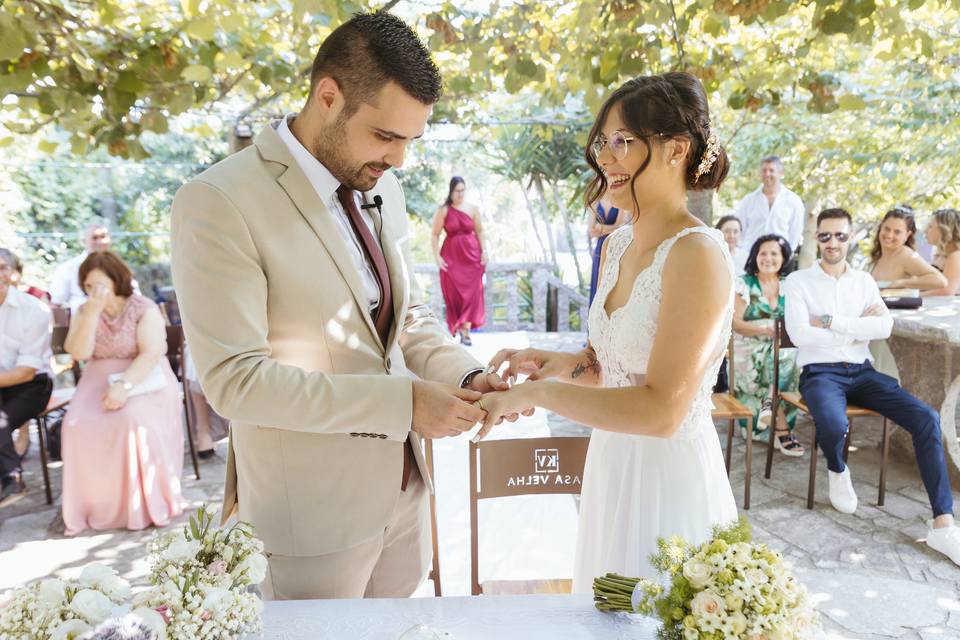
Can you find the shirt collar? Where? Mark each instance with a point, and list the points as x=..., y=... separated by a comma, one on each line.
x=319, y=176
x=12, y=299
x=847, y=272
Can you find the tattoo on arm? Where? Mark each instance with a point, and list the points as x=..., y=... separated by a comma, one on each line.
x=591, y=364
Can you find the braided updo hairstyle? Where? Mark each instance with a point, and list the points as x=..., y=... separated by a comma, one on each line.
x=668, y=105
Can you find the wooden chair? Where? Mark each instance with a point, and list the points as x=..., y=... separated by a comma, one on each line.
x=494, y=466
x=727, y=407
x=435, y=571
x=175, y=355
x=58, y=400
x=781, y=340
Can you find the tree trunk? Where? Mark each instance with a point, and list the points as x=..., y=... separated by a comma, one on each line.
x=533, y=223
x=700, y=204
x=545, y=213
x=568, y=229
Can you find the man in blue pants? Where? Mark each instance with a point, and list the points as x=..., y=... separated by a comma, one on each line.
x=832, y=313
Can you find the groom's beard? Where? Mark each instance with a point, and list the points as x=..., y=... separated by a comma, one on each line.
x=329, y=148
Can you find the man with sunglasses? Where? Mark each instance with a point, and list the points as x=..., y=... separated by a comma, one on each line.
x=832, y=313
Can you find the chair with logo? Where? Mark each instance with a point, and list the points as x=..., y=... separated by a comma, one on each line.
x=781, y=340
x=727, y=407
x=495, y=466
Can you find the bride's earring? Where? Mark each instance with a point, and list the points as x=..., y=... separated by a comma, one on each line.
x=673, y=162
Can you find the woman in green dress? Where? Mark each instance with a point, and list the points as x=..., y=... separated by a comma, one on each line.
x=759, y=303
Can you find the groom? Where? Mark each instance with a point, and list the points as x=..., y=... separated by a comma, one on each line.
x=292, y=269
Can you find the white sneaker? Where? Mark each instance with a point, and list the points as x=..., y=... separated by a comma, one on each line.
x=765, y=416
x=842, y=496
x=946, y=540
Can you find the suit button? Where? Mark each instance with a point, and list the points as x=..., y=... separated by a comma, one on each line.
x=354, y=435
x=388, y=363
x=383, y=436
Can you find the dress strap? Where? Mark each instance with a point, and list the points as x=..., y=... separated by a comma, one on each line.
x=715, y=234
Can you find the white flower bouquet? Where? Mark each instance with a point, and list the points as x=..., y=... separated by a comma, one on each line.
x=200, y=577
x=728, y=588
x=54, y=609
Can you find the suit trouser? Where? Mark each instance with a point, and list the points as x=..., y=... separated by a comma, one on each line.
x=826, y=388
x=18, y=404
x=390, y=565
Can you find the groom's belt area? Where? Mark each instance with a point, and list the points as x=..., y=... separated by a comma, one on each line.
x=409, y=461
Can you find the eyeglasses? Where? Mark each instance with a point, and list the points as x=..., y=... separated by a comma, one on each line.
x=618, y=143
x=824, y=238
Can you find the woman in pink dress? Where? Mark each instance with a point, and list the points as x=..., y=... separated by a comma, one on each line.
x=122, y=438
x=461, y=260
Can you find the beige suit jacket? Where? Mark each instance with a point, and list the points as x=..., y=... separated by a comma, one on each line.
x=277, y=323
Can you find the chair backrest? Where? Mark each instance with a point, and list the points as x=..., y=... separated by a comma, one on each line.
x=175, y=349
x=61, y=316
x=58, y=340
x=731, y=368
x=781, y=340
x=516, y=467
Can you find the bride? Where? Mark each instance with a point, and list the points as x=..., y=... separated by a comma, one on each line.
x=658, y=327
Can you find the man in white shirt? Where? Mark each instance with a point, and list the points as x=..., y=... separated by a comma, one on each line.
x=772, y=208
x=25, y=382
x=832, y=313
x=65, y=290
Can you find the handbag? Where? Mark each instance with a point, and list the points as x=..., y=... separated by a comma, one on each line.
x=154, y=381
x=901, y=298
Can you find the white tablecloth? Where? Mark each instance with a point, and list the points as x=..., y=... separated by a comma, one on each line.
x=465, y=618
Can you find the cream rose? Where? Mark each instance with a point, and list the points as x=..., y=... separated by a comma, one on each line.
x=217, y=600
x=93, y=574
x=255, y=566
x=92, y=606
x=115, y=588
x=697, y=573
x=70, y=629
x=52, y=593
x=706, y=603
x=181, y=551
x=756, y=576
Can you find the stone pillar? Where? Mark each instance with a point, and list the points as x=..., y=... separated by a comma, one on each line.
x=539, y=285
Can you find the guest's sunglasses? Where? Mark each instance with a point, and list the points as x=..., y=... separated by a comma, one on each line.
x=824, y=237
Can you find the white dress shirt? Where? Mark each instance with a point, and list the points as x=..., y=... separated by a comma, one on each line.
x=784, y=218
x=813, y=292
x=740, y=260
x=65, y=287
x=24, y=332
x=326, y=187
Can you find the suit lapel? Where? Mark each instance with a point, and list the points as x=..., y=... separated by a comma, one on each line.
x=314, y=211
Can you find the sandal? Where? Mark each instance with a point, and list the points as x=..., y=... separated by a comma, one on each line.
x=788, y=444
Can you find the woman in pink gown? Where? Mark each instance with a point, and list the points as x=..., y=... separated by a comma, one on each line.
x=122, y=443
x=462, y=260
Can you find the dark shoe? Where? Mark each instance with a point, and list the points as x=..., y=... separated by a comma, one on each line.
x=21, y=444
x=13, y=489
x=206, y=454
x=788, y=444
x=466, y=341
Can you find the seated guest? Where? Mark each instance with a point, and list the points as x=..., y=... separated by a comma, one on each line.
x=25, y=382
x=122, y=441
x=17, y=280
x=943, y=232
x=65, y=288
x=832, y=313
x=895, y=264
x=732, y=230
x=758, y=305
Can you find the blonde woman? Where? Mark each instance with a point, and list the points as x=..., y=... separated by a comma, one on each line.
x=943, y=232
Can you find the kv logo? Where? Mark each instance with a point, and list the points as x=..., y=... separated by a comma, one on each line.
x=547, y=460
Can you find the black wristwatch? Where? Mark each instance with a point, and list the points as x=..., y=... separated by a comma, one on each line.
x=469, y=378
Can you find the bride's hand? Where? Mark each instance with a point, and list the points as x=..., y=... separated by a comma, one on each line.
x=506, y=405
x=537, y=364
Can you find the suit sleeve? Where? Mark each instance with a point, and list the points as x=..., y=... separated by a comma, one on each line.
x=222, y=291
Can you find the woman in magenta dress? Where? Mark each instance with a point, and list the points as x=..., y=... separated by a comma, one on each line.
x=461, y=260
x=122, y=438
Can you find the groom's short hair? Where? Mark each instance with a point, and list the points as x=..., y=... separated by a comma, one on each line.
x=370, y=50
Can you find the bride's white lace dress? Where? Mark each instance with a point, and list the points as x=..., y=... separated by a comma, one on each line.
x=638, y=488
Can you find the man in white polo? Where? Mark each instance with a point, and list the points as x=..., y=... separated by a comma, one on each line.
x=772, y=208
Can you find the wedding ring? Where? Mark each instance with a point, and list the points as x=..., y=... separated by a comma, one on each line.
x=479, y=405
x=490, y=369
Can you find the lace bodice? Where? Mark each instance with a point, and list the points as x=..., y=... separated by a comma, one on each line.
x=624, y=339
x=117, y=336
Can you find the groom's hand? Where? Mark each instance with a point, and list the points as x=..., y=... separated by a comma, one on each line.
x=487, y=381
x=441, y=410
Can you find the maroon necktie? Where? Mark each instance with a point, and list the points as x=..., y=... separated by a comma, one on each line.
x=383, y=314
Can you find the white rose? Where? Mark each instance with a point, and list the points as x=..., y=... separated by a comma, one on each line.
x=115, y=588
x=706, y=603
x=255, y=565
x=756, y=576
x=181, y=550
x=691, y=634
x=153, y=620
x=216, y=600
x=92, y=606
x=70, y=629
x=697, y=573
x=738, y=622
x=92, y=574
x=52, y=593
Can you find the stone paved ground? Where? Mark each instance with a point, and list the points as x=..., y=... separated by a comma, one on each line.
x=871, y=572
